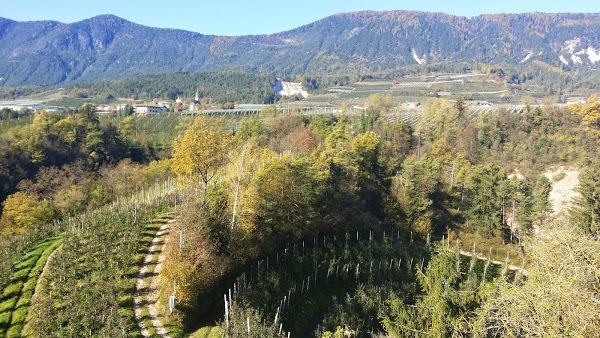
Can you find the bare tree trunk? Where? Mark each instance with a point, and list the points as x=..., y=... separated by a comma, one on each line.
x=452, y=174
x=237, y=189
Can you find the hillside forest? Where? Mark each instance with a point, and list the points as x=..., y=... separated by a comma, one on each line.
x=322, y=226
x=564, y=46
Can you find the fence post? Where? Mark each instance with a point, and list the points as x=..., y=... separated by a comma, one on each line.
x=226, y=313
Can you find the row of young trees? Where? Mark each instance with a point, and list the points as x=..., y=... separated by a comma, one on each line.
x=88, y=284
x=454, y=296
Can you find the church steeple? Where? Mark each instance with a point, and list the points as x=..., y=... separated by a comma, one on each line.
x=197, y=98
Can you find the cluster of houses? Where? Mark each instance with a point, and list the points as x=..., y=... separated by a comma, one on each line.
x=141, y=109
x=151, y=108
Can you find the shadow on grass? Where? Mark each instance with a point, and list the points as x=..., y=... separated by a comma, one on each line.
x=149, y=274
x=14, y=292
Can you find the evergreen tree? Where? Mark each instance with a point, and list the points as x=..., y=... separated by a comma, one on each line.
x=486, y=194
x=586, y=212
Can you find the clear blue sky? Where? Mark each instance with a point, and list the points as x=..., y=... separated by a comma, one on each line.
x=241, y=17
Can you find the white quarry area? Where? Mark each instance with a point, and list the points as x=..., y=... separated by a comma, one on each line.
x=574, y=48
x=563, y=190
x=527, y=57
x=593, y=54
x=285, y=88
x=563, y=60
x=416, y=57
x=570, y=45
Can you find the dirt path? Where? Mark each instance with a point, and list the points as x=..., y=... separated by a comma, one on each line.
x=483, y=258
x=145, y=298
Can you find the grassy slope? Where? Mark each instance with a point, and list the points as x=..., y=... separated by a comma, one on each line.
x=151, y=229
x=16, y=297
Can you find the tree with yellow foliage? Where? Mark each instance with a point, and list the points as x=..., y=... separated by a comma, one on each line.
x=440, y=120
x=559, y=298
x=590, y=114
x=380, y=103
x=201, y=150
x=21, y=211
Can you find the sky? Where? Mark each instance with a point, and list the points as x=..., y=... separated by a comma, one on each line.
x=244, y=17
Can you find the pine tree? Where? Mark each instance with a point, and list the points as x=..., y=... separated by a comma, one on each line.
x=586, y=212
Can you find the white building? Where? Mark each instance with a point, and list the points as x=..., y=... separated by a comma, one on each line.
x=149, y=109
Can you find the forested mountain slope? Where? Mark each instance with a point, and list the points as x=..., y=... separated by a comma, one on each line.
x=108, y=47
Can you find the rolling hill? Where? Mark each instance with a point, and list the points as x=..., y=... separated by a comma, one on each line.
x=108, y=47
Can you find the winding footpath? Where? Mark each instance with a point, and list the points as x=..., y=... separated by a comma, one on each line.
x=146, y=295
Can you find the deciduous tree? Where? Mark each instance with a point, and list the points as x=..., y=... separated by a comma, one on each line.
x=20, y=211
x=560, y=296
x=201, y=150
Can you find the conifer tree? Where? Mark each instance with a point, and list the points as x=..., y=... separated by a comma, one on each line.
x=586, y=212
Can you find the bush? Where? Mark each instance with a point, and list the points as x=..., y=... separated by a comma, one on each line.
x=558, y=177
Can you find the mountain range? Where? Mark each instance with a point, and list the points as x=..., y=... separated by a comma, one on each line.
x=109, y=47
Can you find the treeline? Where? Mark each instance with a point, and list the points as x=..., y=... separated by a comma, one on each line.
x=60, y=165
x=8, y=114
x=11, y=93
x=551, y=79
x=219, y=87
x=294, y=177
